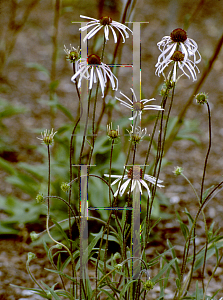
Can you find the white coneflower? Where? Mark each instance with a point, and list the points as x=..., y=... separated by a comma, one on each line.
x=179, y=41
x=135, y=175
x=178, y=59
x=106, y=23
x=138, y=106
x=92, y=66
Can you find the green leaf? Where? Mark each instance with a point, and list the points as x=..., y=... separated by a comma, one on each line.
x=54, y=85
x=183, y=227
x=124, y=290
x=205, y=194
x=37, y=291
x=163, y=270
x=87, y=252
x=61, y=231
x=65, y=111
x=7, y=229
x=40, y=68
x=7, y=109
x=107, y=293
x=174, y=256
x=51, y=290
x=25, y=183
x=59, y=262
x=7, y=167
x=61, y=274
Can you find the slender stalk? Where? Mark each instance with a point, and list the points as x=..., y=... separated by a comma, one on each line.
x=85, y=129
x=160, y=153
x=77, y=217
x=71, y=159
x=212, y=275
x=210, y=196
x=163, y=104
x=32, y=277
x=208, y=151
x=202, y=188
x=48, y=215
x=54, y=53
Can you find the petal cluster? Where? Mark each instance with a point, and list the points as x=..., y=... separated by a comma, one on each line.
x=189, y=48
x=137, y=179
x=47, y=137
x=138, y=106
x=106, y=23
x=188, y=64
x=178, y=42
x=91, y=72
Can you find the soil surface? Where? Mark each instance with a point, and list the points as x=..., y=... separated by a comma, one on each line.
x=26, y=87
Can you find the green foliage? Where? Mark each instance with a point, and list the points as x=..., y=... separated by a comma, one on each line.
x=8, y=110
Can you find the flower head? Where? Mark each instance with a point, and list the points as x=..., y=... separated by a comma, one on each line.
x=136, y=134
x=65, y=187
x=112, y=133
x=178, y=41
x=34, y=236
x=134, y=174
x=178, y=59
x=47, y=137
x=138, y=106
x=92, y=66
x=39, y=198
x=73, y=54
x=201, y=98
x=178, y=171
x=31, y=256
x=106, y=23
x=118, y=267
x=149, y=285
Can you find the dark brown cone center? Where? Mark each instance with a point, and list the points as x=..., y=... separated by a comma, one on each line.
x=138, y=106
x=105, y=20
x=178, y=35
x=177, y=56
x=94, y=59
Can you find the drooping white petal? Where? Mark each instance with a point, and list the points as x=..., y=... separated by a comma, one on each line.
x=146, y=186
x=114, y=34
x=92, y=32
x=124, y=186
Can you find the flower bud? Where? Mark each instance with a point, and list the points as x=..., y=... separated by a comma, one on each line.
x=118, y=267
x=178, y=171
x=31, y=256
x=47, y=137
x=149, y=285
x=201, y=98
x=39, y=198
x=65, y=187
x=112, y=133
x=73, y=54
x=34, y=236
